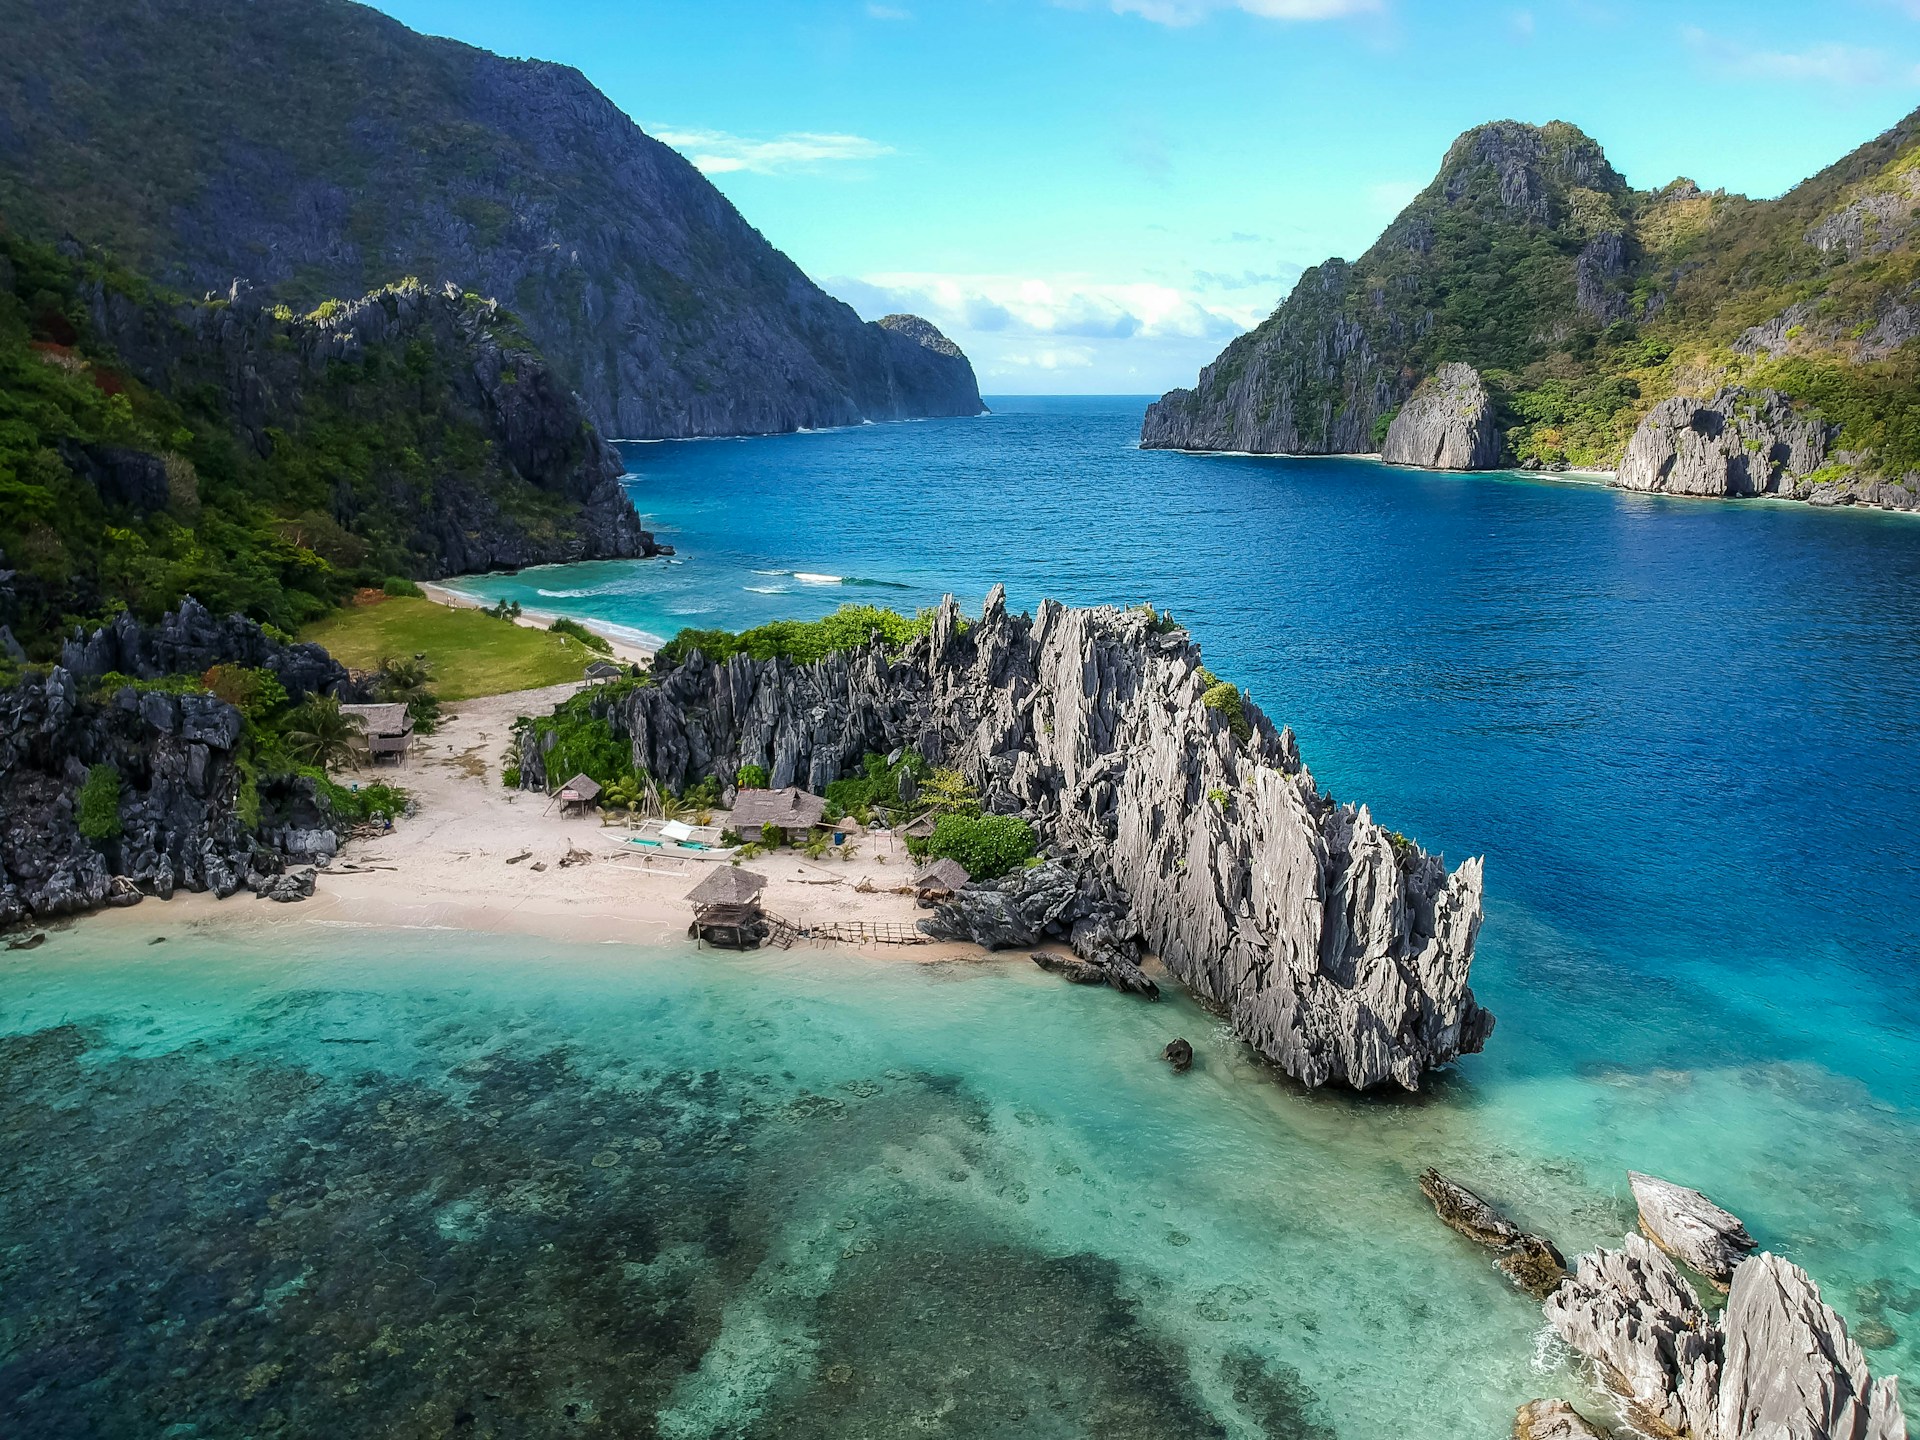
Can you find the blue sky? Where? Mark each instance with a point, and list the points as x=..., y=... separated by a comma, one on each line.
x=1094, y=195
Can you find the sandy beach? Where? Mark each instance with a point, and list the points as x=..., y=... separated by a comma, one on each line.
x=477, y=856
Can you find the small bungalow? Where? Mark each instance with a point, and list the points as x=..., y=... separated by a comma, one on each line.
x=793, y=811
x=726, y=909
x=604, y=670
x=386, y=730
x=938, y=880
x=921, y=829
x=579, y=793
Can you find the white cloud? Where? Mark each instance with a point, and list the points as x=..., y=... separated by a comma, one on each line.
x=1843, y=66
x=1191, y=12
x=1070, y=307
x=715, y=152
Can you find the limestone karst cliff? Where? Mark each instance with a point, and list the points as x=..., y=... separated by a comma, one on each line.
x=1337, y=948
x=1446, y=424
x=1587, y=305
x=317, y=148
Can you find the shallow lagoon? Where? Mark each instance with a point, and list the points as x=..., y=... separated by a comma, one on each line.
x=301, y=1179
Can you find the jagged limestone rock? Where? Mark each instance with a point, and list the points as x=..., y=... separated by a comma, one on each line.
x=1777, y=1365
x=1631, y=1313
x=1738, y=443
x=1552, y=1420
x=1690, y=1227
x=1336, y=948
x=1447, y=424
x=1788, y=1368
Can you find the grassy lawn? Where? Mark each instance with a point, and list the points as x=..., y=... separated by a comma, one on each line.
x=471, y=654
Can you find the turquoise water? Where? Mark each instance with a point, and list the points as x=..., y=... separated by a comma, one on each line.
x=970, y=1202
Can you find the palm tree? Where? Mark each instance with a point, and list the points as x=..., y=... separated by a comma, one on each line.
x=400, y=679
x=320, y=733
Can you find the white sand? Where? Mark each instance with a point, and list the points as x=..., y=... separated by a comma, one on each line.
x=447, y=865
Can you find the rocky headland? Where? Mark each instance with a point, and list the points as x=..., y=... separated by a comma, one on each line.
x=1179, y=825
x=178, y=823
x=545, y=487
x=1610, y=329
x=329, y=150
x=1446, y=424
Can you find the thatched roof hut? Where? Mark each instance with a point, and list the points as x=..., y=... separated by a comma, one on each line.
x=941, y=876
x=728, y=885
x=922, y=828
x=580, y=790
x=385, y=729
x=791, y=809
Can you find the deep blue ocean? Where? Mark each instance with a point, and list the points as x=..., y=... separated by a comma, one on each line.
x=282, y=1178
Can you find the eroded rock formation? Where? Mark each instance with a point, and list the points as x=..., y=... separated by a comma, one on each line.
x=177, y=759
x=1533, y=1262
x=1690, y=1227
x=1777, y=1365
x=1338, y=949
x=1738, y=443
x=1552, y=1420
x=1446, y=424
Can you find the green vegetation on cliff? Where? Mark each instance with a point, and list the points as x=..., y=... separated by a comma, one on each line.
x=1584, y=303
x=266, y=463
x=851, y=627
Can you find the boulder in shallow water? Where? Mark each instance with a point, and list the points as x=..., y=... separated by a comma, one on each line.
x=1552, y=1420
x=1178, y=1054
x=1532, y=1262
x=1070, y=968
x=1690, y=1227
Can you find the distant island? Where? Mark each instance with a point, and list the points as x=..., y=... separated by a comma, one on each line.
x=1530, y=309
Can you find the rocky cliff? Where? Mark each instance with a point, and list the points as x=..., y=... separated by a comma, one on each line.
x=317, y=148
x=1337, y=948
x=1446, y=424
x=177, y=824
x=1587, y=305
x=271, y=462
x=539, y=484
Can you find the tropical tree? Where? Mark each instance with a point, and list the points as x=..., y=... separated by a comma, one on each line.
x=409, y=682
x=946, y=792
x=320, y=733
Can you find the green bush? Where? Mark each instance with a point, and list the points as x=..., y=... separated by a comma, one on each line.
x=574, y=630
x=772, y=836
x=584, y=743
x=877, y=785
x=850, y=627
x=98, y=812
x=1224, y=698
x=357, y=806
x=751, y=777
x=400, y=587
x=989, y=846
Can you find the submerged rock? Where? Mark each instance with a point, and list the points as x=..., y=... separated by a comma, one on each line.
x=1777, y=1365
x=1337, y=948
x=1070, y=968
x=1690, y=1227
x=1532, y=1262
x=1178, y=1054
x=1552, y=1420
x=1447, y=424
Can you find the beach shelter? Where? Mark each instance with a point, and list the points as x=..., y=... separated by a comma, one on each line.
x=794, y=811
x=726, y=908
x=577, y=793
x=922, y=828
x=938, y=879
x=386, y=729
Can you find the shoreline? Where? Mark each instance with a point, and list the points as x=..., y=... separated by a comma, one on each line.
x=474, y=856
